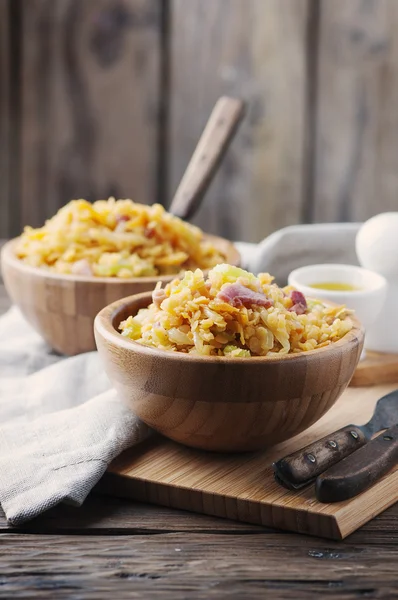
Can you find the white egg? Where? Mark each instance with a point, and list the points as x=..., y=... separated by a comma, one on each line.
x=377, y=244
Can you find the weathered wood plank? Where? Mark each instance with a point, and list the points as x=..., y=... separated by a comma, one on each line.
x=255, y=50
x=108, y=515
x=90, y=75
x=356, y=168
x=113, y=516
x=201, y=566
x=4, y=116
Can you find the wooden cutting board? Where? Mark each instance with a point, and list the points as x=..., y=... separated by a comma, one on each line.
x=242, y=487
x=376, y=368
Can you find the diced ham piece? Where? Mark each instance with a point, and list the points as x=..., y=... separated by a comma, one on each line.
x=299, y=303
x=149, y=232
x=158, y=296
x=121, y=218
x=238, y=295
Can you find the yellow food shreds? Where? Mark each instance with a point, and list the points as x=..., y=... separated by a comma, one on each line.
x=116, y=238
x=233, y=313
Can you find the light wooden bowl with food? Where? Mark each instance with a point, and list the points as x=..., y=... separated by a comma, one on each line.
x=220, y=403
x=62, y=308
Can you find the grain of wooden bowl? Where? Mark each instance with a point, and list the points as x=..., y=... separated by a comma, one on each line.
x=62, y=308
x=219, y=403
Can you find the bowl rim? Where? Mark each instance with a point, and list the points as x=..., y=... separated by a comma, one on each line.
x=9, y=258
x=103, y=327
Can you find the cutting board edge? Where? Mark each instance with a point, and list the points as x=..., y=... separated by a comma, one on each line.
x=345, y=523
x=142, y=490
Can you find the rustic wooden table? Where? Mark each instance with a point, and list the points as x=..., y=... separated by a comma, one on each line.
x=118, y=547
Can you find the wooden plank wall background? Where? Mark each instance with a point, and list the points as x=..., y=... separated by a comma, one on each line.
x=5, y=119
x=101, y=97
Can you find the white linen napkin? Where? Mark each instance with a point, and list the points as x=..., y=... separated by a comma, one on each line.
x=61, y=423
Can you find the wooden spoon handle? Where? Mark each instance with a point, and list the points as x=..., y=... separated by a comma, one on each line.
x=212, y=145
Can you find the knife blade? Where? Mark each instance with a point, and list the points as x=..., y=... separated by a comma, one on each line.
x=302, y=467
x=359, y=471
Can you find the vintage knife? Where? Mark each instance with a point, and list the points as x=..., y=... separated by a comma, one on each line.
x=302, y=467
x=359, y=471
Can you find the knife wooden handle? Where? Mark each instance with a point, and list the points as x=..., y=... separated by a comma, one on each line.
x=358, y=472
x=303, y=466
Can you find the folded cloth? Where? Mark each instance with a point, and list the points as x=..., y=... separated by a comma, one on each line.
x=299, y=245
x=61, y=423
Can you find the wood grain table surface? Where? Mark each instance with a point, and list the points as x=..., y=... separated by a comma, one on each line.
x=131, y=550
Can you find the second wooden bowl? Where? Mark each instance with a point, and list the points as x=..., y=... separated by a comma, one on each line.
x=62, y=308
x=223, y=404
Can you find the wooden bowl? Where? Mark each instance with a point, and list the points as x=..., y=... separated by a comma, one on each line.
x=219, y=403
x=62, y=308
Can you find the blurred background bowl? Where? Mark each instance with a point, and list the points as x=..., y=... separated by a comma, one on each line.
x=218, y=403
x=62, y=308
